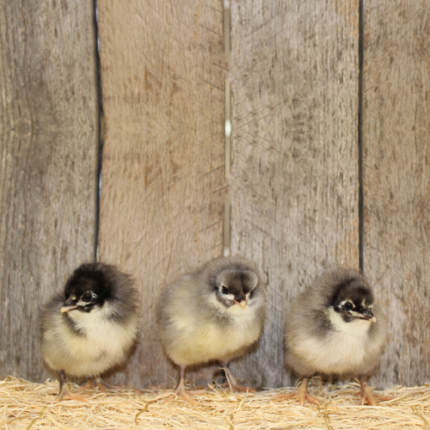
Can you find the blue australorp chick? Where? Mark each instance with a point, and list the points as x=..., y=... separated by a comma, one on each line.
x=334, y=327
x=91, y=326
x=214, y=313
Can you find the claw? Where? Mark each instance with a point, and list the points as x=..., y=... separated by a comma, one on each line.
x=232, y=382
x=181, y=392
x=368, y=395
x=184, y=395
x=66, y=394
x=302, y=394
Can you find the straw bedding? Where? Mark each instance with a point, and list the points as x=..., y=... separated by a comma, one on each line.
x=27, y=405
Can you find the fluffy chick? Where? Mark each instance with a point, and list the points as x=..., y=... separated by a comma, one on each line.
x=214, y=313
x=334, y=327
x=91, y=326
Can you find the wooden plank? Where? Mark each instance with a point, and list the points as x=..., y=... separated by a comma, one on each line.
x=294, y=186
x=396, y=157
x=48, y=147
x=163, y=183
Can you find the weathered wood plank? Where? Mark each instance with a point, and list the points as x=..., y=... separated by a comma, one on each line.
x=294, y=186
x=396, y=157
x=163, y=185
x=48, y=147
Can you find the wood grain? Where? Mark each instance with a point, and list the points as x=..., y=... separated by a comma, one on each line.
x=294, y=186
x=163, y=186
x=396, y=156
x=48, y=147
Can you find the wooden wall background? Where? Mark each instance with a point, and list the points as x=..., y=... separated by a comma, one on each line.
x=48, y=151
x=329, y=159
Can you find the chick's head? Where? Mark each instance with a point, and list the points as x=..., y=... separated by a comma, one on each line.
x=236, y=287
x=354, y=301
x=85, y=289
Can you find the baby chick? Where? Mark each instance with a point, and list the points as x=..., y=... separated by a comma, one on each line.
x=334, y=328
x=214, y=313
x=91, y=326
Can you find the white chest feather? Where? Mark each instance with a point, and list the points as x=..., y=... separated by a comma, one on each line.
x=103, y=343
x=344, y=349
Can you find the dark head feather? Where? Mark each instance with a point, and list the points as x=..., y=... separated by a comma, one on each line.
x=351, y=295
x=107, y=283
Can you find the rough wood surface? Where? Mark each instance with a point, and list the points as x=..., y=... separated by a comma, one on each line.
x=163, y=186
x=48, y=152
x=294, y=186
x=396, y=156
x=294, y=174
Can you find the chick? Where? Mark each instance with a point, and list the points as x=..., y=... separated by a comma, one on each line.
x=91, y=326
x=334, y=327
x=215, y=313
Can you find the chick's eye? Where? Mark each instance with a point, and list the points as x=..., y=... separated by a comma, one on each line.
x=224, y=290
x=86, y=297
x=348, y=306
x=251, y=294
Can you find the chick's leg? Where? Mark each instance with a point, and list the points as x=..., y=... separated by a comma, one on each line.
x=368, y=395
x=232, y=382
x=180, y=389
x=302, y=394
x=64, y=393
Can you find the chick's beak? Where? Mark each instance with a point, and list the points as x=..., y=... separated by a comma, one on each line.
x=69, y=305
x=241, y=302
x=367, y=314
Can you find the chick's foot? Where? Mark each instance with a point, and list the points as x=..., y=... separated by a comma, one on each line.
x=302, y=394
x=232, y=382
x=102, y=386
x=368, y=395
x=66, y=394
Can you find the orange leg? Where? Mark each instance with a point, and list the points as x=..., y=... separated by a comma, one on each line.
x=368, y=395
x=232, y=382
x=181, y=391
x=301, y=393
x=64, y=393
